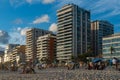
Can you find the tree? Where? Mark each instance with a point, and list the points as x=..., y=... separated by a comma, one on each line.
x=74, y=58
x=90, y=52
x=111, y=50
x=82, y=57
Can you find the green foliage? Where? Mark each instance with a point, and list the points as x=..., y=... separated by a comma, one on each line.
x=74, y=59
x=83, y=57
x=111, y=50
x=45, y=60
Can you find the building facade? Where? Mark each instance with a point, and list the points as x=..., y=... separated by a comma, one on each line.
x=18, y=54
x=114, y=42
x=73, y=35
x=31, y=42
x=46, y=47
x=99, y=29
x=8, y=51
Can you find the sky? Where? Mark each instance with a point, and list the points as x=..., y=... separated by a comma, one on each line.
x=17, y=16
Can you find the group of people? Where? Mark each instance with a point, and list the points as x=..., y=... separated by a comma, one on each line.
x=71, y=65
x=103, y=64
x=96, y=66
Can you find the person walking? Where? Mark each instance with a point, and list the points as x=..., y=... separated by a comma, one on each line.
x=115, y=62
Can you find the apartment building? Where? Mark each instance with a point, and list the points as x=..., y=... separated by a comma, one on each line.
x=18, y=54
x=114, y=42
x=100, y=29
x=73, y=37
x=8, y=51
x=46, y=47
x=31, y=42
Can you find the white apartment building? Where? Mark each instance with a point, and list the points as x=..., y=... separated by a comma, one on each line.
x=114, y=42
x=73, y=37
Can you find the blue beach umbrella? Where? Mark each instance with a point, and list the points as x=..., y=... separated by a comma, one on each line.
x=97, y=60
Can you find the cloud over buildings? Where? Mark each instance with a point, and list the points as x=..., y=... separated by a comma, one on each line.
x=24, y=30
x=4, y=37
x=53, y=27
x=18, y=35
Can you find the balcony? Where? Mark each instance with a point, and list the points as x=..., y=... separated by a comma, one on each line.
x=64, y=11
x=65, y=21
x=64, y=8
x=65, y=17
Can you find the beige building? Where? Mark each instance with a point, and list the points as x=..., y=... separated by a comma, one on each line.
x=46, y=47
x=31, y=42
x=8, y=51
x=18, y=54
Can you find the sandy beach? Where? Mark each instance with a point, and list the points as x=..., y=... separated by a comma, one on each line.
x=63, y=74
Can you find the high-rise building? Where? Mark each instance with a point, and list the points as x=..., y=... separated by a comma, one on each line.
x=31, y=42
x=46, y=47
x=114, y=42
x=99, y=29
x=73, y=35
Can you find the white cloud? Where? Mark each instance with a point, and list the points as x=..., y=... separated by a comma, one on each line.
x=17, y=3
x=29, y=1
x=108, y=7
x=18, y=35
x=18, y=21
x=53, y=27
x=23, y=31
x=19, y=29
x=47, y=1
x=42, y=19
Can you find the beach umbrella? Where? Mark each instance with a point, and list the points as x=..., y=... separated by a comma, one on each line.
x=96, y=60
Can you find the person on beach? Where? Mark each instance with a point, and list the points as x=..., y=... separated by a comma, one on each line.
x=115, y=62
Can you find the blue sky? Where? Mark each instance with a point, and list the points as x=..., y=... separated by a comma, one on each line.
x=16, y=16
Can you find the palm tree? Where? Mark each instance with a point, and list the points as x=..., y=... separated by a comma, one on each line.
x=111, y=50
